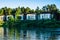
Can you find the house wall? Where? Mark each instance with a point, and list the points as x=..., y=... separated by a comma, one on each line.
x=40, y=16
x=1, y=18
x=31, y=17
x=44, y=16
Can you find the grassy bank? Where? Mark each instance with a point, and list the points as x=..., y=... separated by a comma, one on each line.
x=32, y=24
x=1, y=23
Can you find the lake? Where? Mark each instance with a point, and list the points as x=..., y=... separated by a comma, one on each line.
x=18, y=34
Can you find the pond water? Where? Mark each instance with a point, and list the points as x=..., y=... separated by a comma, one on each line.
x=17, y=34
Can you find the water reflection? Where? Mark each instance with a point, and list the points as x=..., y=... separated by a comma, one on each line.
x=17, y=34
x=5, y=33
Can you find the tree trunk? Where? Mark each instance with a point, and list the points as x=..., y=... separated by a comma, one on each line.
x=24, y=16
x=5, y=16
x=36, y=16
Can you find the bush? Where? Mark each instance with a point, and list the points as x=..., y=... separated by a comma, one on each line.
x=33, y=24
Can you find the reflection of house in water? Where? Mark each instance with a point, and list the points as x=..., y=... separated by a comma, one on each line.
x=37, y=35
x=33, y=16
x=49, y=34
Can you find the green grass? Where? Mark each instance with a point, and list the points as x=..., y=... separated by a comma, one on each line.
x=1, y=23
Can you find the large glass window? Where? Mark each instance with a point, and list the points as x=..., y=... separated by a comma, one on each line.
x=44, y=16
x=31, y=17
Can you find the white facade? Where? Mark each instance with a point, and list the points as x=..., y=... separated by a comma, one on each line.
x=44, y=16
x=40, y=16
x=1, y=17
x=31, y=17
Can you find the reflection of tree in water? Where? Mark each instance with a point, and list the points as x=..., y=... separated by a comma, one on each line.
x=37, y=35
x=11, y=34
x=53, y=36
x=29, y=35
x=17, y=34
x=14, y=34
x=5, y=33
x=24, y=34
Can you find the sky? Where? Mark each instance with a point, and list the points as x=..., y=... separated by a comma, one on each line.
x=28, y=3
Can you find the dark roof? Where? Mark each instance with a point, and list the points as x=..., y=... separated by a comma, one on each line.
x=45, y=12
x=38, y=13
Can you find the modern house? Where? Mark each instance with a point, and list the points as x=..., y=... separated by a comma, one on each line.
x=45, y=16
x=2, y=17
x=32, y=16
x=39, y=16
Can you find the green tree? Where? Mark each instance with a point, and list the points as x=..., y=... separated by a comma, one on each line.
x=49, y=8
x=1, y=11
x=22, y=9
x=37, y=10
x=5, y=13
x=18, y=11
x=27, y=10
x=52, y=9
x=32, y=11
x=13, y=12
x=9, y=11
x=41, y=11
x=44, y=9
x=24, y=12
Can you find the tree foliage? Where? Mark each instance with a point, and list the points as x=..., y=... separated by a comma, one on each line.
x=21, y=10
